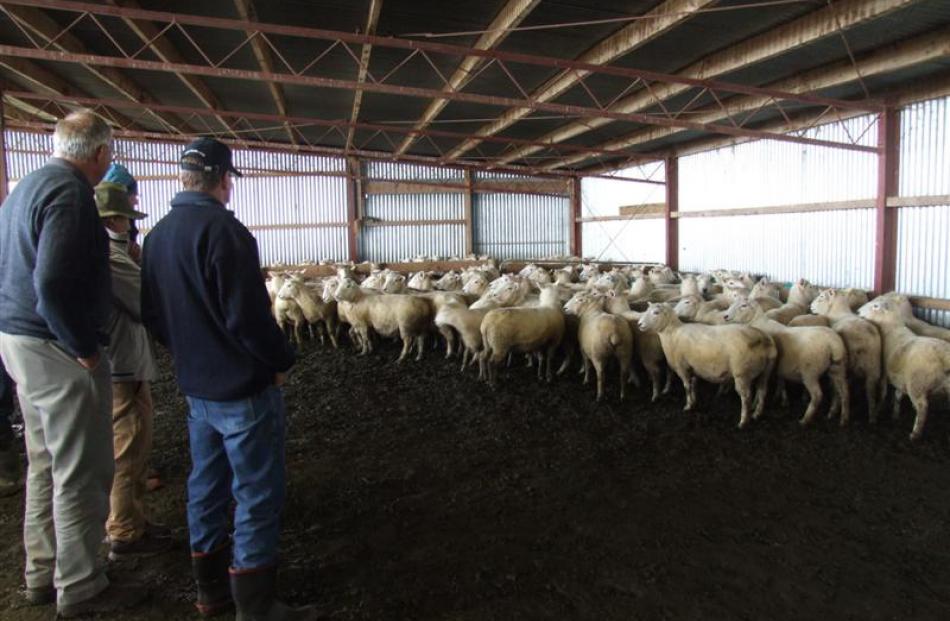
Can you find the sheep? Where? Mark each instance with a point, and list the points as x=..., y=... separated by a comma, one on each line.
x=450, y=281
x=273, y=284
x=314, y=309
x=716, y=354
x=692, y=308
x=523, y=329
x=803, y=321
x=287, y=311
x=394, y=282
x=916, y=366
x=662, y=275
x=421, y=281
x=856, y=298
x=387, y=314
x=690, y=286
x=917, y=326
x=800, y=296
x=863, y=341
x=565, y=276
x=641, y=289
x=375, y=280
x=467, y=323
x=476, y=283
x=646, y=346
x=804, y=355
x=766, y=288
x=504, y=291
x=601, y=336
x=588, y=271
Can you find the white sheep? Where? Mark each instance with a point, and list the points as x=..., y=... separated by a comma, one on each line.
x=799, y=298
x=716, y=354
x=602, y=337
x=456, y=316
x=315, y=310
x=804, y=356
x=916, y=366
x=917, y=326
x=421, y=281
x=536, y=330
x=863, y=340
x=692, y=308
x=394, y=282
x=450, y=281
x=387, y=314
x=646, y=346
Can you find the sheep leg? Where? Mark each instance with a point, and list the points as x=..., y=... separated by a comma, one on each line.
x=586, y=362
x=631, y=375
x=599, y=370
x=421, y=346
x=688, y=385
x=529, y=361
x=870, y=389
x=310, y=329
x=464, y=359
x=624, y=373
x=331, y=327
x=842, y=396
x=567, y=362
x=761, y=391
x=406, y=347
x=449, y=337
x=813, y=386
x=668, y=386
x=655, y=380
x=744, y=388
x=898, y=395
x=782, y=393
x=920, y=404
x=549, y=359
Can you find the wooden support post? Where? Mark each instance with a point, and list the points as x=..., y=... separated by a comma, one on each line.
x=354, y=199
x=469, y=225
x=577, y=230
x=888, y=169
x=672, y=206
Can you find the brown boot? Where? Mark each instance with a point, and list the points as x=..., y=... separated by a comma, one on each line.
x=211, y=578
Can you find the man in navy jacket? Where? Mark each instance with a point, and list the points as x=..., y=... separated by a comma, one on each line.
x=203, y=297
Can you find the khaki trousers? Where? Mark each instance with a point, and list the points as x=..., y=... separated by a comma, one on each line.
x=132, y=439
x=68, y=430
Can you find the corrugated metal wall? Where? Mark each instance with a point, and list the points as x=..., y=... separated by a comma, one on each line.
x=521, y=226
x=280, y=211
x=923, y=241
x=834, y=248
x=623, y=240
x=399, y=243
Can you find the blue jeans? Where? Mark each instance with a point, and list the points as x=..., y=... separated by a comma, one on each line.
x=237, y=447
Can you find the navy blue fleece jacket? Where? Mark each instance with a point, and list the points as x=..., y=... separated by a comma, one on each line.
x=54, y=261
x=203, y=297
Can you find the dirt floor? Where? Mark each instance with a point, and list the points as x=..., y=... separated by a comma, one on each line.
x=416, y=493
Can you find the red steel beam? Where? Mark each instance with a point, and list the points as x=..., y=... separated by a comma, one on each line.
x=354, y=183
x=336, y=152
x=888, y=170
x=426, y=93
x=672, y=206
x=437, y=48
x=302, y=121
x=4, y=179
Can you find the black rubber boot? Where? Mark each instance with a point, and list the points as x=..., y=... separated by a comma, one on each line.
x=211, y=578
x=255, y=597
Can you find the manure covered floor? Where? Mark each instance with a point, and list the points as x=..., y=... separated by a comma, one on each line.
x=417, y=493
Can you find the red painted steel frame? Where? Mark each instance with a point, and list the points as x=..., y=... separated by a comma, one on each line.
x=888, y=169
x=411, y=91
x=437, y=48
x=672, y=206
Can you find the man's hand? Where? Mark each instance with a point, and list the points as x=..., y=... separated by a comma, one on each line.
x=279, y=379
x=90, y=363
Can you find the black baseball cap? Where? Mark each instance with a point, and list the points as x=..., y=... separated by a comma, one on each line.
x=207, y=155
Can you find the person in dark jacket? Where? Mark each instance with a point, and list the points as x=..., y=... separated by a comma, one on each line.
x=55, y=298
x=203, y=297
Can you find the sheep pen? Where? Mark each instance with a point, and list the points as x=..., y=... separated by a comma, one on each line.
x=416, y=492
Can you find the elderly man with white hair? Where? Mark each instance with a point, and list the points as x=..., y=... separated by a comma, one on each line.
x=55, y=300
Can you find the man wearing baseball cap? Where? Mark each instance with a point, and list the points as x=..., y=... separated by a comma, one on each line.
x=133, y=367
x=204, y=298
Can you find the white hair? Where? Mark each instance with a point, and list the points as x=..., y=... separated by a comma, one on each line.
x=79, y=134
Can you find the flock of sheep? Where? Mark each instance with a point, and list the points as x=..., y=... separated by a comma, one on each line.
x=723, y=327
